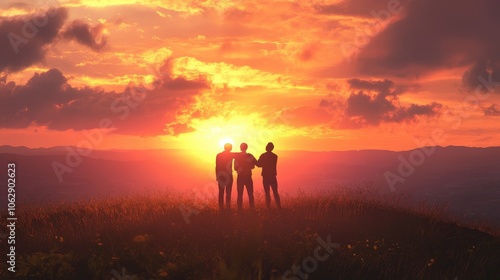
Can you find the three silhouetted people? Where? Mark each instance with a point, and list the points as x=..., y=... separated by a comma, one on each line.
x=243, y=164
x=268, y=161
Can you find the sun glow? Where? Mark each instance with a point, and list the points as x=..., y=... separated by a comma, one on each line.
x=211, y=134
x=224, y=141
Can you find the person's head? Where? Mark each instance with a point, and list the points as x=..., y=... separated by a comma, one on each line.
x=243, y=147
x=270, y=147
x=228, y=147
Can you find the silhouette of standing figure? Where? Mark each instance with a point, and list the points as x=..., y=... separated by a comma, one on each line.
x=224, y=174
x=243, y=164
x=268, y=161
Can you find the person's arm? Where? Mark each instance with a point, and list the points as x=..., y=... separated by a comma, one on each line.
x=216, y=163
x=254, y=161
x=259, y=162
x=276, y=165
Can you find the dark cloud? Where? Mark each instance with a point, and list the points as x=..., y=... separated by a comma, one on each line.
x=414, y=110
x=372, y=109
x=436, y=35
x=23, y=39
x=326, y=103
x=492, y=111
x=377, y=102
x=85, y=34
x=483, y=76
x=48, y=100
x=384, y=86
x=372, y=103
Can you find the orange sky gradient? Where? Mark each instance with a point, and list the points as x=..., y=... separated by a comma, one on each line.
x=307, y=75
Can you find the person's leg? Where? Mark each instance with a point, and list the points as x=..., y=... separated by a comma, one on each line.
x=250, y=192
x=221, y=195
x=229, y=188
x=265, y=182
x=274, y=186
x=239, y=189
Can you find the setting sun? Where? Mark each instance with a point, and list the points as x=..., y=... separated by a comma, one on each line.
x=211, y=134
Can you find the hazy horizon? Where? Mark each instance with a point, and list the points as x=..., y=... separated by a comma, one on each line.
x=262, y=148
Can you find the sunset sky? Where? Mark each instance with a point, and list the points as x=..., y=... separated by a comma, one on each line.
x=307, y=75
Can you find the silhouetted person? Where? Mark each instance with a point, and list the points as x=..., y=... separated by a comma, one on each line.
x=224, y=174
x=268, y=161
x=243, y=164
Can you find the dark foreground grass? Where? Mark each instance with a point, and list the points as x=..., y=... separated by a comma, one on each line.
x=149, y=238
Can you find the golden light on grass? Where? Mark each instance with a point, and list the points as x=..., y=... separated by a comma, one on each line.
x=170, y=255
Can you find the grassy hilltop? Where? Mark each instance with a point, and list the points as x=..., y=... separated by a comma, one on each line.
x=149, y=237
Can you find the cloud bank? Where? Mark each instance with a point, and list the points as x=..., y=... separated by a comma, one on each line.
x=47, y=99
x=24, y=39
